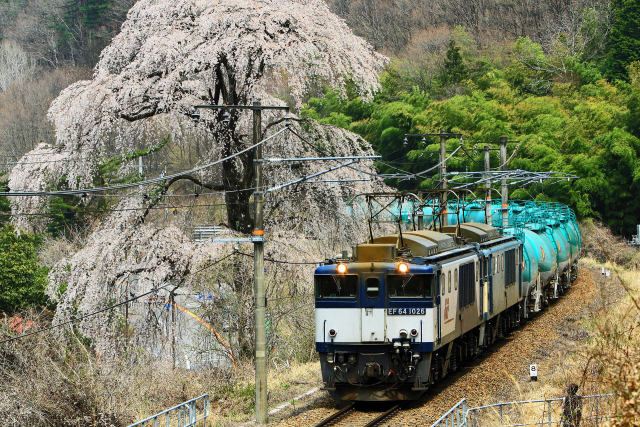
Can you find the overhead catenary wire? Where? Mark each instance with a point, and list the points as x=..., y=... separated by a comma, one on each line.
x=155, y=207
x=22, y=193
x=113, y=306
x=325, y=152
x=305, y=178
x=405, y=174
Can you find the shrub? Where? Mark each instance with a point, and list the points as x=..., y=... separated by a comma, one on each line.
x=22, y=278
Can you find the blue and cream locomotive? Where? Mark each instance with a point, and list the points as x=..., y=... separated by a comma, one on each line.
x=406, y=309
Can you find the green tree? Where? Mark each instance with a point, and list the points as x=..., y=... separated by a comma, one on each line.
x=5, y=207
x=454, y=70
x=624, y=38
x=22, y=278
x=85, y=27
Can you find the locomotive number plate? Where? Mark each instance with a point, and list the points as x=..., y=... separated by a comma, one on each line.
x=406, y=311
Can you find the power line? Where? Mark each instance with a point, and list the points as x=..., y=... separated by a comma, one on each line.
x=98, y=211
x=209, y=193
x=57, y=325
x=279, y=261
x=140, y=183
x=111, y=307
x=325, y=152
x=15, y=156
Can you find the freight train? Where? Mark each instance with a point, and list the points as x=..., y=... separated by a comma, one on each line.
x=404, y=310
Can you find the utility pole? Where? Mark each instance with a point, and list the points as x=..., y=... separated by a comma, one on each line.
x=487, y=185
x=421, y=213
x=443, y=176
x=258, y=252
x=505, y=192
x=258, y=273
x=443, y=166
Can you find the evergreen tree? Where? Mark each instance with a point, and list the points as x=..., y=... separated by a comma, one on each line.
x=624, y=38
x=454, y=69
x=84, y=28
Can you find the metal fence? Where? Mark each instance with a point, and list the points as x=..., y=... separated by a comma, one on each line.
x=545, y=412
x=186, y=414
x=202, y=233
x=454, y=417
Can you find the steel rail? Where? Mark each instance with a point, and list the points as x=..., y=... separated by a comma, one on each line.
x=331, y=418
x=382, y=416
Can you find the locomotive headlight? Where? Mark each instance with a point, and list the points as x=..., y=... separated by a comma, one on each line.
x=342, y=268
x=332, y=333
x=403, y=267
x=403, y=333
x=414, y=332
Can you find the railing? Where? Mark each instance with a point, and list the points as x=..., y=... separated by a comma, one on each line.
x=594, y=409
x=182, y=415
x=202, y=233
x=454, y=417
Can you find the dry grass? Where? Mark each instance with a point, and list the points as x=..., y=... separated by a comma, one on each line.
x=602, y=349
x=54, y=380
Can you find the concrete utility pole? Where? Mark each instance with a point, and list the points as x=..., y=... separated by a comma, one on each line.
x=487, y=185
x=258, y=253
x=443, y=176
x=258, y=272
x=443, y=167
x=421, y=213
x=505, y=192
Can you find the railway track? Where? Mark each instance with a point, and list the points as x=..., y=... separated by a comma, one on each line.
x=352, y=416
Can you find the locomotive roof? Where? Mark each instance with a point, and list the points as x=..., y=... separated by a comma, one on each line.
x=428, y=243
x=474, y=231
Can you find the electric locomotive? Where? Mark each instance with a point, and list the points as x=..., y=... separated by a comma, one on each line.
x=406, y=309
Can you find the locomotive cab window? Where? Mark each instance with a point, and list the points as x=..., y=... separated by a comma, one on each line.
x=414, y=286
x=336, y=286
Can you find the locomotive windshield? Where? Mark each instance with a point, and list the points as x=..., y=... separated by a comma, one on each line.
x=409, y=286
x=336, y=286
